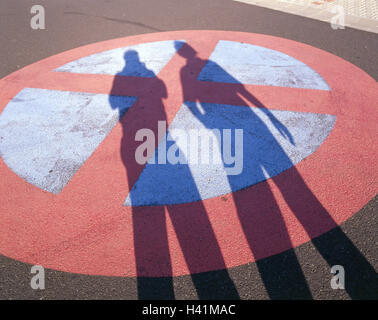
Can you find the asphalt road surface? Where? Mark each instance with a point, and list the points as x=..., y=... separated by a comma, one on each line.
x=71, y=24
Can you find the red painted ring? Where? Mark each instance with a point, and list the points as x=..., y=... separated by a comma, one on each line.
x=79, y=233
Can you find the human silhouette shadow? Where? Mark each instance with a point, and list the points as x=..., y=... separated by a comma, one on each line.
x=282, y=274
x=149, y=223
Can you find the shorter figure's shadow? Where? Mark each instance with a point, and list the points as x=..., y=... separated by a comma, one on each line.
x=149, y=223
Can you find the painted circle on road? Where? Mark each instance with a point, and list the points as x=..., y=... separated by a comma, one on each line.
x=67, y=189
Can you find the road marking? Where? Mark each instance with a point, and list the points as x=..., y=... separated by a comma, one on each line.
x=47, y=135
x=264, y=148
x=86, y=229
x=249, y=64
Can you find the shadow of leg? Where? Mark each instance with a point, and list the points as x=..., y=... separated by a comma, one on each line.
x=283, y=277
x=201, y=249
x=361, y=280
x=155, y=288
x=282, y=274
x=152, y=253
x=334, y=246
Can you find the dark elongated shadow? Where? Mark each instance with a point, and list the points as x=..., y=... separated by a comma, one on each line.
x=361, y=281
x=150, y=234
x=149, y=226
x=252, y=207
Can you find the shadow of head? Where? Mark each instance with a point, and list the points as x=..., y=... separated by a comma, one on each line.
x=185, y=50
x=132, y=57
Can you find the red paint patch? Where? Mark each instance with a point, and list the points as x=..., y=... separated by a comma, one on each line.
x=85, y=229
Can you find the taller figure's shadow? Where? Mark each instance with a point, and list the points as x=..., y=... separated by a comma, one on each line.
x=281, y=274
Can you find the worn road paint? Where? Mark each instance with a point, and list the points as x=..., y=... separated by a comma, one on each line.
x=249, y=64
x=266, y=153
x=47, y=135
x=155, y=55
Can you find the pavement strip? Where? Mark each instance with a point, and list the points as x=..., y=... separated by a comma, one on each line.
x=359, y=14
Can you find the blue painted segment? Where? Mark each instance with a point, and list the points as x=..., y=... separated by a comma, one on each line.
x=250, y=64
x=46, y=135
x=266, y=152
x=142, y=60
